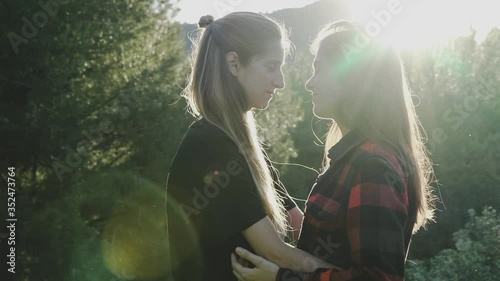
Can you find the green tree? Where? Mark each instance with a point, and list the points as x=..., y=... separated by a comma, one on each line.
x=459, y=95
x=293, y=126
x=90, y=90
x=476, y=255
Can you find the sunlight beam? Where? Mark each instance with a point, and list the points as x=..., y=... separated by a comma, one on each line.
x=418, y=24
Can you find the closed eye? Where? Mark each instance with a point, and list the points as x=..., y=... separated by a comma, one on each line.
x=273, y=66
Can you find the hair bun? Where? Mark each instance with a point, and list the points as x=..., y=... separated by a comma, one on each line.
x=205, y=21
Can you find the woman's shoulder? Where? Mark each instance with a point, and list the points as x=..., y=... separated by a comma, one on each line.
x=379, y=153
x=202, y=129
x=204, y=136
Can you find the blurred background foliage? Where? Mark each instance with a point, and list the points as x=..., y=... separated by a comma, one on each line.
x=91, y=117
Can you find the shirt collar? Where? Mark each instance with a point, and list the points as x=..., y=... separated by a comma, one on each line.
x=350, y=141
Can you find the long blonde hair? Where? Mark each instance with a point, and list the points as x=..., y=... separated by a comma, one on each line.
x=214, y=93
x=376, y=101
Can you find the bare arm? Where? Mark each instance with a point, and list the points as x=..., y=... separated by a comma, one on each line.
x=265, y=241
x=295, y=218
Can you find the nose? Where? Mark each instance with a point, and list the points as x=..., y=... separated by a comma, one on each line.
x=279, y=81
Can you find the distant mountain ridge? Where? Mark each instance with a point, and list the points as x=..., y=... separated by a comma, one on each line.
x=303, y=23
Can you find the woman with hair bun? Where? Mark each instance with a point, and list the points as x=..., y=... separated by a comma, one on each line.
x=222, y=191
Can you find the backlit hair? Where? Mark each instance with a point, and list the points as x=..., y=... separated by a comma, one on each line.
x=214, y=93
x=375, y=100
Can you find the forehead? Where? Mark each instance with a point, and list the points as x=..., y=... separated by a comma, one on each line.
x=327, y=56
x=275, y=51
x=321, y=56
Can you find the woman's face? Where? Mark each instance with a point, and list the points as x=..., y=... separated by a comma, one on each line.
x=262, y=76
x=324, y=87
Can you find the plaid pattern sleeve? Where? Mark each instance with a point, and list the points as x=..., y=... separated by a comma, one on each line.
x=375, y=226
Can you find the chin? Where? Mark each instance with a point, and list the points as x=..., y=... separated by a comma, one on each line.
x=316, y=110
x=262, y=107
x=318, y=113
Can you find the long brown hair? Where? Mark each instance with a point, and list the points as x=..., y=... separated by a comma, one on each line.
x=376, y=101
x=214, y=93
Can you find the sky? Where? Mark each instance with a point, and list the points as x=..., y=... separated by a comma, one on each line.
x=420, y=23
x=192, y=10
x=416, y=23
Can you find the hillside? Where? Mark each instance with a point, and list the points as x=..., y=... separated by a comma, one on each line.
x=303, y=23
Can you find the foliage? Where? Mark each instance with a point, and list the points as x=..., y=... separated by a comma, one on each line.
x=92, y=91
x=90, y=114
x=459, y=105
x=281, y=118
x=299, y=173
x=476, y=255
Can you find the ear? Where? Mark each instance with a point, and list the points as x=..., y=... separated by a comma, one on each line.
x=233, y=63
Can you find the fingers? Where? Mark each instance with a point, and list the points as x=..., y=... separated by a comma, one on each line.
x=238, y=268
x=248, y=256
x=243, y=262
x=238, y=276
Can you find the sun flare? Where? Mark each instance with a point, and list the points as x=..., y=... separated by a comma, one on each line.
x=419, y=24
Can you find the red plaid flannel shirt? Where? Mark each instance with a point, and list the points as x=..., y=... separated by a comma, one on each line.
x=357, y=215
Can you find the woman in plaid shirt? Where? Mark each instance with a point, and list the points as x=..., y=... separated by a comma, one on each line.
x=374, y=192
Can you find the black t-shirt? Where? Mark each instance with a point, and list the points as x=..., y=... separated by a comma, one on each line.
x=211, y=199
